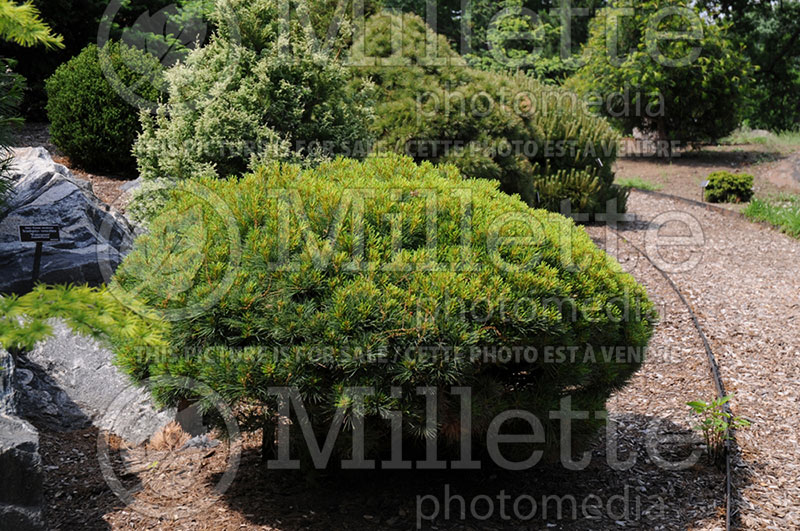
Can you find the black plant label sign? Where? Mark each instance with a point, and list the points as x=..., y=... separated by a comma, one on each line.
x=39, y=233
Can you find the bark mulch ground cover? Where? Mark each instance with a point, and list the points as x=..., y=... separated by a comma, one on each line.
x=746, y=292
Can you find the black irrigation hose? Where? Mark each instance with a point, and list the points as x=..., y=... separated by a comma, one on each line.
x=712, y=361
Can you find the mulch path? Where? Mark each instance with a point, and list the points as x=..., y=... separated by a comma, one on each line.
x=684, y=174
x=746, y=293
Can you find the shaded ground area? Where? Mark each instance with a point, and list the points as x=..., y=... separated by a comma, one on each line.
x=179, y=486
x=774, y=171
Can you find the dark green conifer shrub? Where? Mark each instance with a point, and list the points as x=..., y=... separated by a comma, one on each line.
x=539, y=141
x=90, y=119
x=727, y=187
x=384, y=274
x=687, y=90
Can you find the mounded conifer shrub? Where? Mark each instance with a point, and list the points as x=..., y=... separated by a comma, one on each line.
x=90, y=121
x=539, y=141
x=727, y=187
x=391, y=276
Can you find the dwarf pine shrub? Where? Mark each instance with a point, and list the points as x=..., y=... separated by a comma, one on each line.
x=727, y=187
x=539, y=141
x=258, y=91
x=389, y=276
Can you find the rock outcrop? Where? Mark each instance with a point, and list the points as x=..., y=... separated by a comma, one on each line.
x=69, y=381
x=21, y=474
x=66, y=382
x=94, y=238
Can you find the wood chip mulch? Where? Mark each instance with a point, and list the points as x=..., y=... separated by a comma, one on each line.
x=746, y=293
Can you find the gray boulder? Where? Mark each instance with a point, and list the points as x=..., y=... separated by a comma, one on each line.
x=8, y=403
x=94, y=238
x=21, y=474
x=132, y=186
x=68, y=381
x=41, y=400
x=761, y=133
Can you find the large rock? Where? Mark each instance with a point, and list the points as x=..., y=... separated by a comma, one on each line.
x=8, y=402
x=21, y=474
x=68, y=381
x=94, y=238
x=41, y=400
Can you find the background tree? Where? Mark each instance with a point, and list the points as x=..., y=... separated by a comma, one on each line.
x=686, y=89
x=20, y=25
x=770, y=33
x=524, y=35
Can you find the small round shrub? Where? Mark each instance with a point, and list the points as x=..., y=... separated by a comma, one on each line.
x=727, y=187
x=539, y=141
x=89, y=120
x=384, y=274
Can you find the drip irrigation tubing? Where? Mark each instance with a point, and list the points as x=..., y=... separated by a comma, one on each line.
x=712, y=360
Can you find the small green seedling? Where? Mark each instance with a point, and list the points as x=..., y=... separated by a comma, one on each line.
x=714, y=423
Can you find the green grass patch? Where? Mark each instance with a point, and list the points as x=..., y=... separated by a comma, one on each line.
x=638, y=183
x=780, y=141
x=782, y=211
